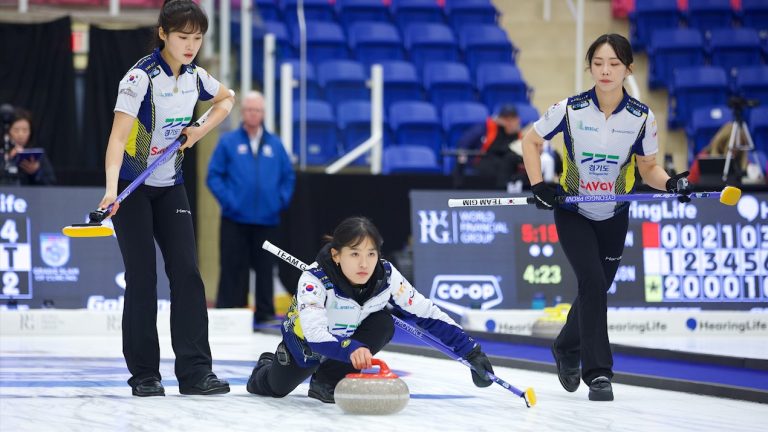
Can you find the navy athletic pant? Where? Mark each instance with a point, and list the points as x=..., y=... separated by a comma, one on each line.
x=161, y=214
x=594, y=249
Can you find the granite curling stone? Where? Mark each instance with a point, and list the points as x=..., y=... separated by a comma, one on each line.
x=378, y=393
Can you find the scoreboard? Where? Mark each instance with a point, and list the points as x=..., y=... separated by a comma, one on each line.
x=700, y=254
x=41, y=267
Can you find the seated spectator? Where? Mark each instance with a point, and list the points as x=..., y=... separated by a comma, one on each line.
x=498, y=141
x=32, y=170
x=739, y=170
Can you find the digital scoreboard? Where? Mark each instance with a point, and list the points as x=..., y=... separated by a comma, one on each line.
x=41, y=267
x=701, y=254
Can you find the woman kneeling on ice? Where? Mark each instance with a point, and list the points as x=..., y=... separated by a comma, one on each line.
x=339, y=320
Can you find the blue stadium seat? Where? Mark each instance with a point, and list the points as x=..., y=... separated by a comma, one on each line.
x=485, y=43
x=758, y=126
x=321, y=132
x=704, y=124
x=458, y=117
x=314, y=10
x=401, y=82
x=707, y=15
x=283, y=48
x=350, y=11
x=313, y=88
x=410, y=11
x=268, y=10
x=409, y=159
x=670, y=48
x=416, y=122
x=733, y=48
x=527, y=112
x=354, y=123
x=650, y=15
x=500, y=83
x=752, y=83
x=342, y=80
x=463, y=12
x=448, y=82
x=427, y=42
x=754, y=14
x=695, y=87
x=373, y=42
x=325, y=40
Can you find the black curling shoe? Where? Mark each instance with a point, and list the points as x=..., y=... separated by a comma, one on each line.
x=567, y=372
x=600, y=389
x=321, y=391
x=148, y=387
x=209, y=385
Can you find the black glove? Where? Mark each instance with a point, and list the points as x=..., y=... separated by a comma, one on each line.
x=479, y=362
x=678, y=184
x=544, y=196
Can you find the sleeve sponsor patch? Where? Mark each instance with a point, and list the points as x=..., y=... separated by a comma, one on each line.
x=128, y=92
x=345, y=343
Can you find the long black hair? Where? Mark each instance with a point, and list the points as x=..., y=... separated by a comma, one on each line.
x=620, y=45
x=180, y=16
x=354, y=230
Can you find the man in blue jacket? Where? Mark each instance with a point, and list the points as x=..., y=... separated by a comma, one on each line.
x=251, y=176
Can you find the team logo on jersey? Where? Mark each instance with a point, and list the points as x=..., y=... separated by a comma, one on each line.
x=242, y=149
x=598, y=158
x=54, y=249
x=267, y=150
x=154, y=72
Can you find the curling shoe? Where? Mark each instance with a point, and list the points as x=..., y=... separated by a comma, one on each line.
x=600, y=389
x=209, y=385
x=265, y=359
x=568, y=373
x=150, y=386
x=321, y=391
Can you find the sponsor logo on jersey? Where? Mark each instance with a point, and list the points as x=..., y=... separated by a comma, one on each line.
x=581, y=126
x=599, y=158
x=623, y=131
x=154, y=72
x=156, y=151
x=596, y=186
x=128, y=92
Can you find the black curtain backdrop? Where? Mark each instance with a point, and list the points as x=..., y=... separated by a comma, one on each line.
x=37, y=73
x=111, y=54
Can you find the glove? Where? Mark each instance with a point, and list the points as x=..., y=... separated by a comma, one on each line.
x=480, y=362
x=544, y=196
x=678, y=184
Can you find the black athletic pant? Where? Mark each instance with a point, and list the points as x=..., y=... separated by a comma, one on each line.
x=594, y=249
x=161, y=214
x=278, y=380
x=239, y=252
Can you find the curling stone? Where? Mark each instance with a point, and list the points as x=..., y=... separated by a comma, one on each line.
x=378, y=393
x=552, y=322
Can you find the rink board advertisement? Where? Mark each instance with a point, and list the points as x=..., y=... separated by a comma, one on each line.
x=701, y=254
x=41, y=267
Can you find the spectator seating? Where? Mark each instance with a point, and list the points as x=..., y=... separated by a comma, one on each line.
x=500, y=83
x=342, y=80
x=350, y=11
x=483, y=43
x=707, y=15
x=460, y=116
x=670, y=48
x=427, y=42
x=409, y=159
x=416, y=122
x=325, y=40
x=314, y=10
x=448, y=82
x=754, y=14
x=758, y=126
x=527, y=112
x=401, y=82
x=373, y=42
x=752, y=83
x=354, y=124
x=704, y=124
x=321, y=133
x=463, y=12
x=695, y=87
x=733, y=48
x=650, y=15
x=411, y=11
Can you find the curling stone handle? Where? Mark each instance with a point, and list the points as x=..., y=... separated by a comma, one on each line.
x=383, y=368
